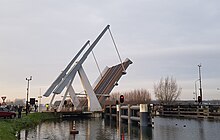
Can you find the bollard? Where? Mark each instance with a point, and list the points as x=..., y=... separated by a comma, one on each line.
x=144, y=115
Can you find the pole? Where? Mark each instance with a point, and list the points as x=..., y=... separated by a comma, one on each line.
x=196, y=90
x=39, y=102
x=27, y=93
x=200, y=82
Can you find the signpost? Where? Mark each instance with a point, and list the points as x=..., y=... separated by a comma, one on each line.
x=3, y=98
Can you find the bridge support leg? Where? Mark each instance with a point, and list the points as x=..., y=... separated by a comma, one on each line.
x=51, y=101
x=145, y=119
x=62, y=102
x=73, y=96
x=93, y=103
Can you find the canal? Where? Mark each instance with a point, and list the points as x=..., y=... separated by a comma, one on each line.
x=100, y=129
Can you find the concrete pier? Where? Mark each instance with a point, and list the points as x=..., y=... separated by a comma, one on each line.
x=144, y=115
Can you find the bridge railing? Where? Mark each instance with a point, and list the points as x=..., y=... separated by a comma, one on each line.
x=195, y=111
x=130, y=113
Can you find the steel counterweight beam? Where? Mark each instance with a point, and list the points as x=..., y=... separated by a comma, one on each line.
x=74, y=70
x=62, y=75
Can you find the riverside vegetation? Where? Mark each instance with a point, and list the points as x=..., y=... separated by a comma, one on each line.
x=9, y=127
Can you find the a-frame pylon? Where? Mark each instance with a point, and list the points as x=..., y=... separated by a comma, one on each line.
x=66, y=78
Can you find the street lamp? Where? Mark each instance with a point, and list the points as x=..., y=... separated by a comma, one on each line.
x=200, y=82
x=39, y=101
x=28, y=80
x=196, y=90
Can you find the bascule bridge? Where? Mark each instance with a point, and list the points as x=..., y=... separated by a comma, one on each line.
x=96, y=95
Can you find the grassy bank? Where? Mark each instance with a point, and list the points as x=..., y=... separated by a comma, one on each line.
x=9, y=127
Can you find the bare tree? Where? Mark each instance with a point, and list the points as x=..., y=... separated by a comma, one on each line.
x=136, y=96
x=167, y=90
x=113, y=97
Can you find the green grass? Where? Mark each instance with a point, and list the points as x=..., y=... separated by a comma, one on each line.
x=9, y=127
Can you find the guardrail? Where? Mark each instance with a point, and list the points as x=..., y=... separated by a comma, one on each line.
x=194, y=111
x=140, y=114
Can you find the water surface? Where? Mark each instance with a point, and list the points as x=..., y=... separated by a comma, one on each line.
x=100, y=129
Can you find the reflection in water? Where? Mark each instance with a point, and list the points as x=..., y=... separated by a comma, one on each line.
x=145, y=133
x=89, y=129
x=100, y=129
x=73, y=130
x=132, y=132
x=201, y=130
x=26, y=134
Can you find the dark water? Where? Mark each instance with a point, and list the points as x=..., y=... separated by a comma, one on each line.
x=100, y=129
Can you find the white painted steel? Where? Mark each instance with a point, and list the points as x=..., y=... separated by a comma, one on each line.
x=64, y=97
x=71, y=74
x=117, y=106
x=93, y=103
x=135, y=107
x=124, y=107
x=143, y=108
x=51, y=101
x=64, y=72
x=73, y=96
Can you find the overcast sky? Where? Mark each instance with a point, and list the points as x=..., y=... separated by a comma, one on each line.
x=161, y=37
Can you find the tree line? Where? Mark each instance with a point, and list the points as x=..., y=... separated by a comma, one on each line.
x=166, y=91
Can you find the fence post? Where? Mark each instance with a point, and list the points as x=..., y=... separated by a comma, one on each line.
x=129, y=113
x=110, y=112
x=120, y=113
x=178, y=110
x=197, y=110
x=118, y=109
x=208, y=110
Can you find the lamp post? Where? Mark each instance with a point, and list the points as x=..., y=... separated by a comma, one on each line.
x=200, y=82
x=28, y=80
x=39, y=101
x=196, y=90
